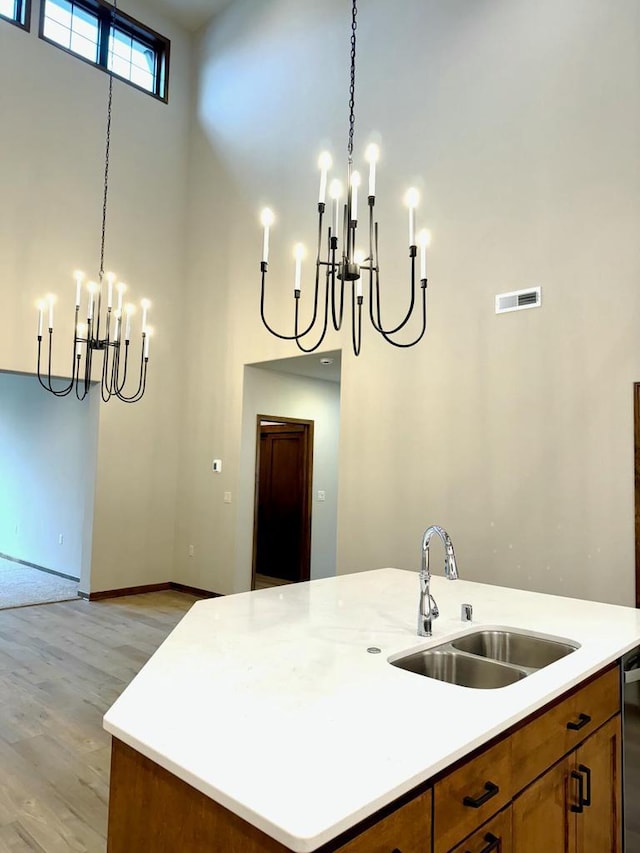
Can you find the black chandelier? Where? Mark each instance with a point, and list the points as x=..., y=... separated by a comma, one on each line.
x=107, y=330
x=341, y=260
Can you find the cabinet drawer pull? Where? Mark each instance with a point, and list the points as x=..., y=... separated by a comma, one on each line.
x=493, y=843
x=586, y=801
x=490, y=790
x=583, y=719
x=579, y=808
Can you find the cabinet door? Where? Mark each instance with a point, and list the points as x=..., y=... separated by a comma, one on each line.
x=598, y=760
x=407, y=830
x=493, y=837
x=542, y=818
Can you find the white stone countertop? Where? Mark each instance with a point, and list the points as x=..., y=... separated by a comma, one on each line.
x=269, y=703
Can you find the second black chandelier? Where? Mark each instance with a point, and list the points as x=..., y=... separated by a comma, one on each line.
x=339, y=264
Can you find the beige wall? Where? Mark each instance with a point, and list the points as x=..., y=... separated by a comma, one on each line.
x=520, y=122
x=53, y=110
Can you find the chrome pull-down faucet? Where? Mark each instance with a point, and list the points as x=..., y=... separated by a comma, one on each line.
x=428, y=609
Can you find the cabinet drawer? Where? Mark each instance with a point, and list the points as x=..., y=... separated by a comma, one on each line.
x=494, y=836
x=546, y=739
x=464, y=799
x=407, y=830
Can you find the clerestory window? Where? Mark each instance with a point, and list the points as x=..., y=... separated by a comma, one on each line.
x=109, y=39
x=16, y=12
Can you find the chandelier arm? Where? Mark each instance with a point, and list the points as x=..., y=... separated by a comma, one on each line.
x=88, y=363
x=299, y=337
x=356, y=327
x=132, y=398
x=105, y=378
x=112, y=379
x=331, y=272
x=400, y=345
x=62, y=392
x=377, y=323
x=85, y=388
x=120, y=383
x=337, y=321
x=141, y=387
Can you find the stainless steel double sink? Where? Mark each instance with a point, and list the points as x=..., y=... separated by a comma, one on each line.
x=487, y=658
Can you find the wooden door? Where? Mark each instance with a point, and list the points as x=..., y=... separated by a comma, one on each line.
x=542, y=816
x=283, y=501
x=599, y=826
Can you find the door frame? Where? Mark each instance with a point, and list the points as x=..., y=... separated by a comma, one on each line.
x=307, y=495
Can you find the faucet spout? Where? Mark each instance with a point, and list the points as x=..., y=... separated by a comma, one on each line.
x=428, y=609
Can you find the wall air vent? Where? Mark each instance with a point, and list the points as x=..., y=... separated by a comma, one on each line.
x=519, y=299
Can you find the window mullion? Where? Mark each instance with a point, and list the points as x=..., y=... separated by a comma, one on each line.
x=105, y=20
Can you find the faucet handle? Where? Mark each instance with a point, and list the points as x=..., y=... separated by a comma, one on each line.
x=434, y=607
x=466, y=612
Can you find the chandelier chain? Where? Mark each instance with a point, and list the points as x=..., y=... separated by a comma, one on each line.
x=106, y=178
x=352, y=83
x=106, y=163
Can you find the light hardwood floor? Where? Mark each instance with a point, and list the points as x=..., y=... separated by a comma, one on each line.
x=61, y=666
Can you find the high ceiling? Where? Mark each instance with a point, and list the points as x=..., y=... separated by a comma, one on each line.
x=190, y=13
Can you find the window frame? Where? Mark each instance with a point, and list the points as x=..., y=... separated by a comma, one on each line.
x=23, y=19
x=109, y=18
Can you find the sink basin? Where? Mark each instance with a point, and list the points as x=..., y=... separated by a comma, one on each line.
x=446, y=664
x=487, y=658
x=514, y=648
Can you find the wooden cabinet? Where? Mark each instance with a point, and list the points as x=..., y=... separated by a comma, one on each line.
x=575, y=805
x=493, y=837
x=561, y=770
x=469, y=795
x=406, y=830
x=151, y=810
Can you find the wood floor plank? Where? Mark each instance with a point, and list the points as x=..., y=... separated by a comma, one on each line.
x=61, y=666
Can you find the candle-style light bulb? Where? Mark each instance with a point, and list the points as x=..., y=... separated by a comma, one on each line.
x=335, y=191
x=129, y=309
x=93, y=289
x=51, y=300
x=111, y=278
x=424, y=240
x=355, y=183
x=411, y=199
x=41, y=307
x=121, y=289
x=371, y=155
x=324, y=164
x=79, y=277
x=267, y=219
x=118, y=315
x=298, y=254
x=147, y=341
x=145, y=305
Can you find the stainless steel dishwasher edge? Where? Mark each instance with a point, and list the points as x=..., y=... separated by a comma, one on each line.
x=631, y=746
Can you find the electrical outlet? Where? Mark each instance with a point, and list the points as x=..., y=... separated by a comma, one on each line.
x=321, y=495
x=227, y=497
x=192, y=550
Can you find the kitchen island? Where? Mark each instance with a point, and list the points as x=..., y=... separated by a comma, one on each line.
x=268, y=716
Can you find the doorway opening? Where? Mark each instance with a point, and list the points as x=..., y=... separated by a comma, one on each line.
x=282, y=508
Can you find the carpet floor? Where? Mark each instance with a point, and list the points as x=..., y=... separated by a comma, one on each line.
x=22, y=585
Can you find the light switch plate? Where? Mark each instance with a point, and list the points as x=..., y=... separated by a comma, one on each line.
x=216, y=466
